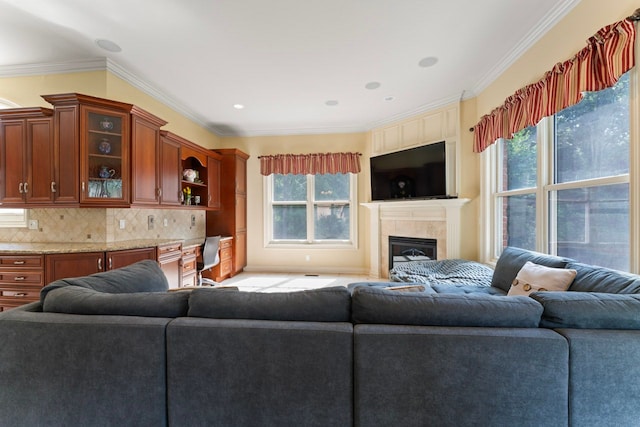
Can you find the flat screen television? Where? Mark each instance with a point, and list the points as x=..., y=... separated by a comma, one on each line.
x=416, y=173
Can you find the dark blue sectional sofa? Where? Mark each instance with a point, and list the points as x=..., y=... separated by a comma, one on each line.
x=117, y=349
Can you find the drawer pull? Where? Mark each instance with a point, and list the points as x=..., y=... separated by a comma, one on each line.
x=18, y=262
x=20, y=294
x=19, y=278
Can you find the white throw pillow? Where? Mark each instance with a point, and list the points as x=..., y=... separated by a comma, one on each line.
x=535, y=278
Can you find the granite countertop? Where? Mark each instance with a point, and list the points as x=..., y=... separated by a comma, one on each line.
x=66, y=247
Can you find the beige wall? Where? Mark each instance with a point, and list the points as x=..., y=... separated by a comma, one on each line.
x=261, y=258
x=559, y=44
x=27, y=91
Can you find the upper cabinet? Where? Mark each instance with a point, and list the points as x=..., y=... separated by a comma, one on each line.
x=102, y=129
x=145, y=157
x=27, y=157
x=96, y=152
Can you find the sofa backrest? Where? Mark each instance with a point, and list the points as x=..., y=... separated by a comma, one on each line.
x=592, y=278
x=379, y=306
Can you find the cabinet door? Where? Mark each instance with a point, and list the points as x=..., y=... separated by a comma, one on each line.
x=241, y=175
x=104, y=160
x=213, y=183
x=60, y=266
x=117, y=259
x=67, y=155
x=39, y=184
x=144, y=158
x=170, y=172
x=12, y=148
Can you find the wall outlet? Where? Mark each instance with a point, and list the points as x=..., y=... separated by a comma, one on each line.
x=307, y=257
x=33, y=224
x=150, y=222
x=123, y=224
x=165, y=222
x=193, y=220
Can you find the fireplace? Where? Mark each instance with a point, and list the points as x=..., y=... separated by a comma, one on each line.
x=405, y=249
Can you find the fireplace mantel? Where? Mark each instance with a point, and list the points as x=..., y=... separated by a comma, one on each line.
x=404, y=218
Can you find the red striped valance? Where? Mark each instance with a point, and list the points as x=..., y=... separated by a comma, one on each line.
x=607, y=56
x=310, y=164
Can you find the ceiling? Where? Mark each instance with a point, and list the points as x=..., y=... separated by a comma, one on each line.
x=297, y=66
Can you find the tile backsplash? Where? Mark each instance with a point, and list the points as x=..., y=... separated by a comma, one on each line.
x=99, y=225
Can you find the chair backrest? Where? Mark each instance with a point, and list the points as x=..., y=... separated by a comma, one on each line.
x=210, y=252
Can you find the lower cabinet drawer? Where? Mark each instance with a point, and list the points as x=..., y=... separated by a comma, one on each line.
x=16, y=277
x=225, y=267
x=225, y=253
x=33, y=295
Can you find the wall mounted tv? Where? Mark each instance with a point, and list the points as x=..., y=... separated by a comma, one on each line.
x=416, y=173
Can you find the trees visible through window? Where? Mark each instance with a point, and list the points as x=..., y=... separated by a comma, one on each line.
x=311, y=208
x=573, y=200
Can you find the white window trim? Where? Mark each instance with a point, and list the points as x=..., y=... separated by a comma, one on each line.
x=14, y=218
x=489, y=243
x=288, y=244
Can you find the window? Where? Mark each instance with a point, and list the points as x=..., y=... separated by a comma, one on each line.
x=311, y=209
x=10, y=218
x=562, y=187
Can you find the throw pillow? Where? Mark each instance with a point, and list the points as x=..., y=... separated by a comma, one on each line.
x=538, y=278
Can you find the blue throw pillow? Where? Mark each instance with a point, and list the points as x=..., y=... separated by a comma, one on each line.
x=589, y=310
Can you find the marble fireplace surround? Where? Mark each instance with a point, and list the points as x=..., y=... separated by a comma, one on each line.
x=429, y=219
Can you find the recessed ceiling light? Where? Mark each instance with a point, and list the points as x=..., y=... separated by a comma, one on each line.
x=429, y=61
x=238, y=106
x=331, y=102
x=389, y=98
x=372, y=85
x=108, y=45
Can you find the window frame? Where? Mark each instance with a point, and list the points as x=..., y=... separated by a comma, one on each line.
x=546, y=231
x=310, y=203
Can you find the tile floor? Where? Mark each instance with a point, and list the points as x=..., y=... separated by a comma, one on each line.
x=289, y=282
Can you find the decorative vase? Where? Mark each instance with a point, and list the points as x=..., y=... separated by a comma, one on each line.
x=104, y=146
x=189, y=175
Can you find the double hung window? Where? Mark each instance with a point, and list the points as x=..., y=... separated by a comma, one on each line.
x=562, y=187
x=311, y=209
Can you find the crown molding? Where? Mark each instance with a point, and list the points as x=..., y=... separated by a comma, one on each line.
x=297, y=131
x=552, y=17
x=74, y=66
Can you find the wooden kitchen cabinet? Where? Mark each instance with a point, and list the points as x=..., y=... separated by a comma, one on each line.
x=213, y=182
x=21, y=279
x=225, y=268
x=189, y=266
x=124, y=257
x=76, y=264
x=101, y=129
x=231, y=218
x=145, y=157
x=27, y=161
x=170, y=258
x=170, y=169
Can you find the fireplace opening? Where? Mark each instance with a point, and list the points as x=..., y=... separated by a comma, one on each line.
x=405, y=249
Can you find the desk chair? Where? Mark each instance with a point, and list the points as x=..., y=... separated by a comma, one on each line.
x=210, y=258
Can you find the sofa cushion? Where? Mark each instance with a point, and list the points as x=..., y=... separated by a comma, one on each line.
x=591, y=278
x=80, y=300
x=511, y=261
x=458, y=288
x=589, y=310
x=142, y=276
x=536, y=278
x=331, y=304
x=375, y=305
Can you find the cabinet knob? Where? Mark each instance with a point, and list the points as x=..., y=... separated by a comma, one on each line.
x=19, y=278
x=110, y=263
x=18, y=262
x=53, y=186
x=83, y=186
x=99, y=263
x=20, y=188
x=26, y=187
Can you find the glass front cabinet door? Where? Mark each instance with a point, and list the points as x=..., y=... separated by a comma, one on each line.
x=104, y=137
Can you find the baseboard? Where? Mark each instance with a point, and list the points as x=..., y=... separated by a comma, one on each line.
x=308, y=270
